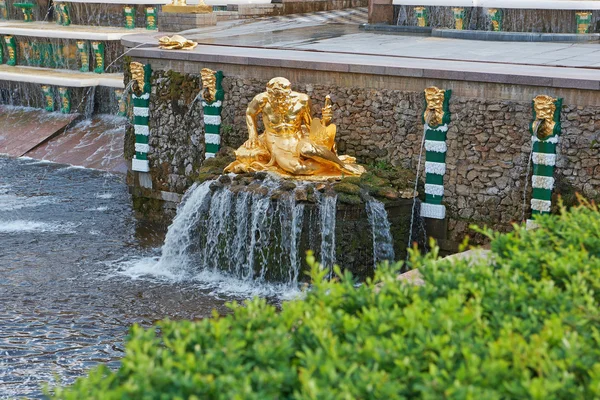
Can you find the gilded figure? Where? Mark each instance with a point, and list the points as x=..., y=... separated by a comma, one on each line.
x=294, y=144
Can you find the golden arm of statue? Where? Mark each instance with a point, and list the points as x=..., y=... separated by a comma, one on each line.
x=327, y=112
x=306, y=119
x=254, y=109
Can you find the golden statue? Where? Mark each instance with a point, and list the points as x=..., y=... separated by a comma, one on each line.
x=293, y=144
x=545, y=108
x=209, y=83
x=434, y=113
x=176, y=42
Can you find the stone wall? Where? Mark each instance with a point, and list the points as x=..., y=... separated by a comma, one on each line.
x=488, y=142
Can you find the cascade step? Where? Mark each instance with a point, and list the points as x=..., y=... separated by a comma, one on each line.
x=54, y=31
x=23, y=129
x=54, y=77
x=96, y=143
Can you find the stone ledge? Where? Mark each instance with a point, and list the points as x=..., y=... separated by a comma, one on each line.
x=499, y=73
x=514, y=36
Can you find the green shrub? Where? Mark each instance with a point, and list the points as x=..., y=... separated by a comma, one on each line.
x=525, y=325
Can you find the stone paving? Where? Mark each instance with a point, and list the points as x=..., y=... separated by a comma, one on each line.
x=301, y=33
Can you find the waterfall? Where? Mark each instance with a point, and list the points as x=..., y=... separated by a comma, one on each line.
x=327, y=216
x=245, y=234
x=383, y=243
x=241, y=235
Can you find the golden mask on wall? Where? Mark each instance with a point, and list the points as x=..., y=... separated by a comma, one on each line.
x=294, y=144
x=209, y=84
x=434, y=113
x=137, y=74
x=545, y=108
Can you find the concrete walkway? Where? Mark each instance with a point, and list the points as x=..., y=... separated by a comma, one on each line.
x=301, y=42
x=302, y=33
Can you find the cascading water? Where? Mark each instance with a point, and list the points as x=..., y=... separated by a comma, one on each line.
x=246, y=234
x=383, y=243
x=253, y=233
x=327, y=215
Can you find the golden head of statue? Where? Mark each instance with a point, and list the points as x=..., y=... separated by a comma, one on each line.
x=293, y=144
x=209, y=84
x=545, y=108
x=434, y=113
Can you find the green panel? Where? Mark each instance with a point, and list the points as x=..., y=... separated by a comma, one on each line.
x=140, y=120
x=544, y=147
x=542, y=194
x=543, y=170
x=137, y=102
x=142, y=139
x=212, y=148
x=435, y=135
x=433, y=156
x=212, y=110
x=432, y=199
x=434, y=179
x=213, y=129
x=141, y=156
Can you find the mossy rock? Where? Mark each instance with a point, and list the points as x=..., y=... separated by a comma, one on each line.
x=206, y=176
x=287, y=186
x=354, y=180
x=347, y=188
x=387, y=192
x=351, y=199
x=370, y=179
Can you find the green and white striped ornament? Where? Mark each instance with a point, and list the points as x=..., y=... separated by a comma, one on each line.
x=141, y=118
x=212, y=119
x=435, y=164
x=543, y=159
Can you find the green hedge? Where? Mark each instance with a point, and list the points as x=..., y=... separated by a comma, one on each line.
x=525, y=325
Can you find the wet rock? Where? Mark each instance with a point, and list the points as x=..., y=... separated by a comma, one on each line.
x=260, y=175
x=216, y=185
x=301, y=194
x=352, y=199
x=387, y=193
x=225, y=179
x=347, y=188
x=287, y=186
x=277, y=194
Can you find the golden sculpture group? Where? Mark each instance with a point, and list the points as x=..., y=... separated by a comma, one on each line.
x=294, y=144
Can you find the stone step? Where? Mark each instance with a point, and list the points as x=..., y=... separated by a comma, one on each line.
x=54, y=31
x=23, y=129
x=55, y=77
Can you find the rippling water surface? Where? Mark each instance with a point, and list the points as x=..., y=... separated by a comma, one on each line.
x=66, y=301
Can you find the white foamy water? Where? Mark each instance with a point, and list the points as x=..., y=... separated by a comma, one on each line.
x=10, y=202
x=217, y=282
x=104, y=196
x=20, y=226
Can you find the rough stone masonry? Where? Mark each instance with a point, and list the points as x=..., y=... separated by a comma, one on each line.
x=488, y=142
